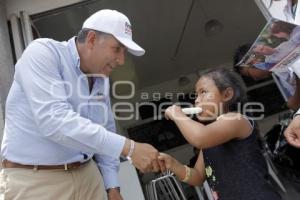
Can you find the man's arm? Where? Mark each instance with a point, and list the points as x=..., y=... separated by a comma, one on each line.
x=292, y=132
x=109, y=168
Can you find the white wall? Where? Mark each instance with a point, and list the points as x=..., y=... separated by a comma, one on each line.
x=6, y=63
x=1, y=129
x=35, y=6
x=1, y=123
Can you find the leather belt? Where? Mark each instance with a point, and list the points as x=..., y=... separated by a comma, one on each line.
x=70, y=166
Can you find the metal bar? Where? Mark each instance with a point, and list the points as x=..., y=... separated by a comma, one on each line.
x=26, y=28
x=183, y=29
x=207, y=191
x=17, y=35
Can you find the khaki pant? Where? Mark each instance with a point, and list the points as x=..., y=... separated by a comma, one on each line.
x=85, y=183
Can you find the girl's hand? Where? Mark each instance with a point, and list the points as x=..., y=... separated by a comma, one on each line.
x=174, y=112
x=173, y=165
x=168, y=161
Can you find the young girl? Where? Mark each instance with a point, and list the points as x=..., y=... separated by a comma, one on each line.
x=230, y=158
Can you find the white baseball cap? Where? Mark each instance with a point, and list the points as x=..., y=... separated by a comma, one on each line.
x=116, y=24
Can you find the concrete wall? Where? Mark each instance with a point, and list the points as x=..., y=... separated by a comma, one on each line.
x=1, y=135
x=6, y=60
x=6, y=63
x=1, y=125
x=35, y=6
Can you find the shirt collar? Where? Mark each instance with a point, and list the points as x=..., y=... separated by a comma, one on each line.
x=73, y=49
x=76, y=60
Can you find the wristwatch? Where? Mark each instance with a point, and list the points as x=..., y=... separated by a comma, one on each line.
x=117, y=188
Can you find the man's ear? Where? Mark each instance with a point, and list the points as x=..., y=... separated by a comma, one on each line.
x=228, y=94
x=90, y=39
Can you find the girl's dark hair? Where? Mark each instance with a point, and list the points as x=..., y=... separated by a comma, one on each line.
x=240, y=52
x=224, y=79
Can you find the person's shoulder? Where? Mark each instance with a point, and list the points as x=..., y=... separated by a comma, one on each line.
x=239, y=122
x=43, y=46
x=231, y=116
x=39, y=44
x=235, y=116
x=46, y=42
x=41, y=49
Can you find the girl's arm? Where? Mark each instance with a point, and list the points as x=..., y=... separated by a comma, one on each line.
x=195, y=177
x=229, y=126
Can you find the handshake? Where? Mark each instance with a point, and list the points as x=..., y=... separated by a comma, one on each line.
x=144, y=156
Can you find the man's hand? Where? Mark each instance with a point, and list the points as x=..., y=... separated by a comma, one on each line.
x=114, y=194
x=145, y=158
x=292, y=132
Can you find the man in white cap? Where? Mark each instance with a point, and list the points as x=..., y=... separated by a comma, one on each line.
x=58, y=117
